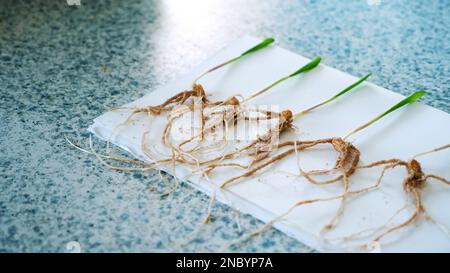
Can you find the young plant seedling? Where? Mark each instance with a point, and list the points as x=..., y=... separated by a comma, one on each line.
x=197, y=90
x=346, y=163
x=227, y=115
x=286, y=119
x=346, y=150
x=262, y=147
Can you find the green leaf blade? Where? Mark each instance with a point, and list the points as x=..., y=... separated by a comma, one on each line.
x=259, y=46
x=309, y=66
x=349, y=88
x=410, y=99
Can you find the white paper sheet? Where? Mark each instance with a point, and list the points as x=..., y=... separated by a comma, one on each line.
x=411, y=130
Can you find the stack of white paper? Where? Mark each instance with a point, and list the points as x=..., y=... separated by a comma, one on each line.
x=413, y=129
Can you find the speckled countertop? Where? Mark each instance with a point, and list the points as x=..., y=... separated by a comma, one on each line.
x=60, y=65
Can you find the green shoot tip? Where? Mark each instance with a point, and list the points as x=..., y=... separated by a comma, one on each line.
x=309, y=66
x=408, y=100
x=259, y=46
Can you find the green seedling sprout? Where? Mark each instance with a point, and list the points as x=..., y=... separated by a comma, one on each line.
x=288, y=124
x=264, y=43
x=308, y=67
x=197, y=90
x=415, y=179
x=349, y=88
x=338, y=142
x=410, y=99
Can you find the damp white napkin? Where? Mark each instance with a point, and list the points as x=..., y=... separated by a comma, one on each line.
x=411, y=130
